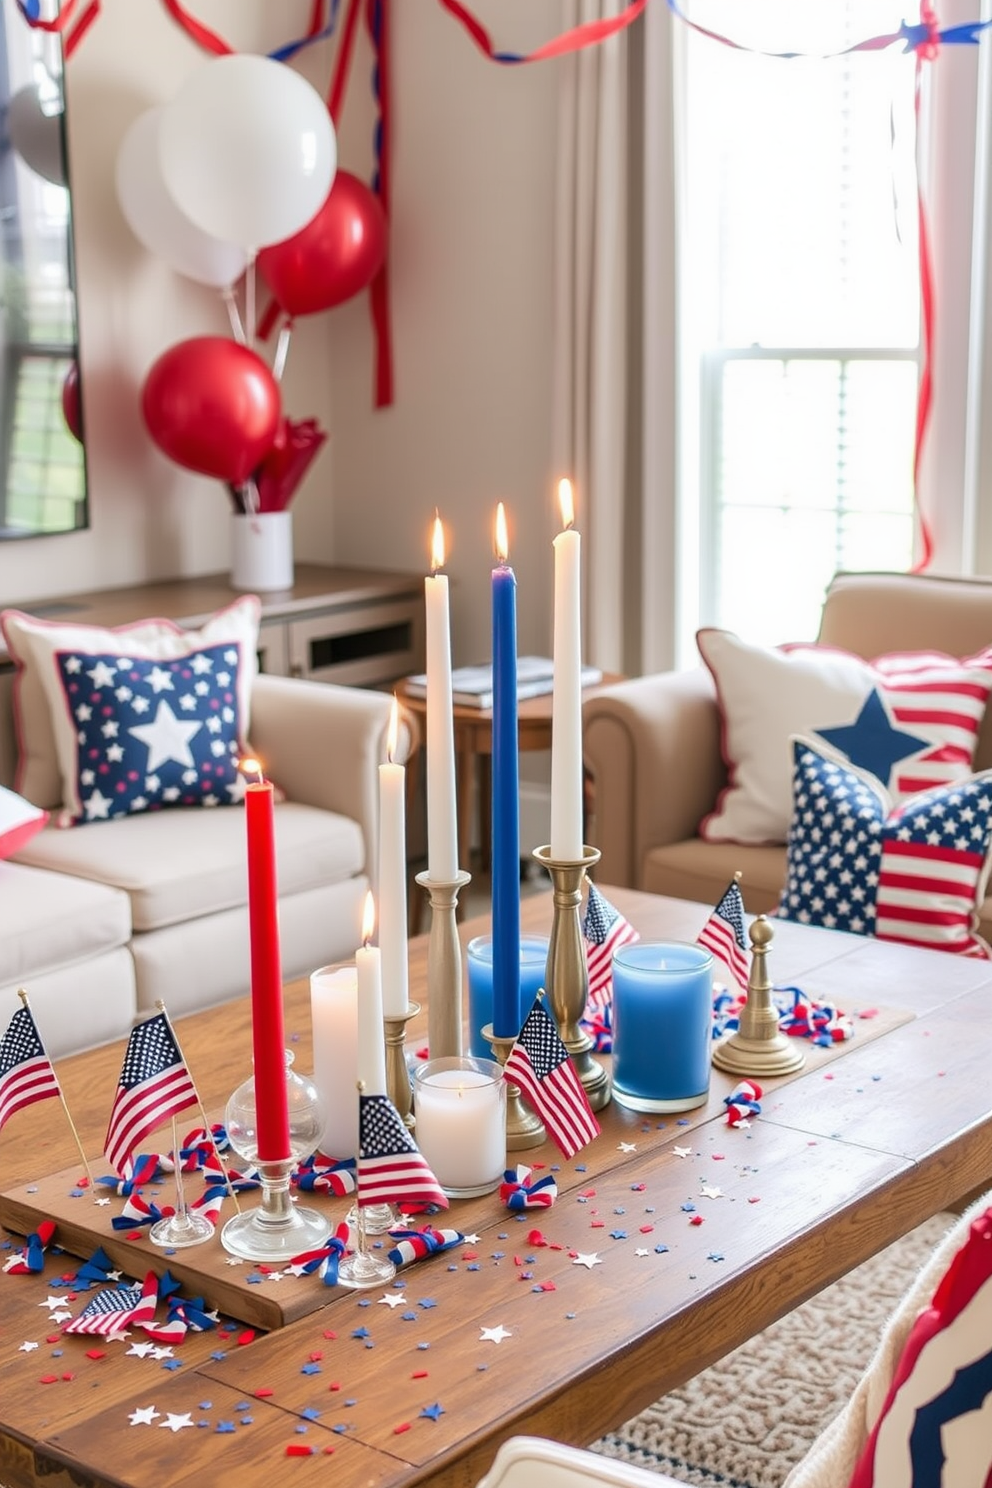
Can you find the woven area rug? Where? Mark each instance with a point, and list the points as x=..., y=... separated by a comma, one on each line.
x=747, y=1420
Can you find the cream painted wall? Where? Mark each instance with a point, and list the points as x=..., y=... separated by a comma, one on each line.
x=471, y=257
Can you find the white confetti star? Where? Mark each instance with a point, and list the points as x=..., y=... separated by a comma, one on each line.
x=233, y=1261
x=640, y=1251
x=101, y=1203
x=627, y=1147
x=27, y=1348
x=53, y=1302
x=488, y=1335
x=141, y=1350
x=176, y=1423
x=297, y=1269
x=59, y=1317
x=682, y=1151
x=162, y=1353
x=470, y=1239
x=167, y=738
x=393, y=1299
x=590, y=1260
x=710, y=1191
x=144, y=1415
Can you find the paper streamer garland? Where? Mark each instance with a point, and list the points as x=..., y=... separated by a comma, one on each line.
x=518, y=1192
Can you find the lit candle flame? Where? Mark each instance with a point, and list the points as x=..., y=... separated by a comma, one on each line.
x=566, y=503
x=393, y=732
x=251, y=767
x=368, y=918
x=502, y=541
x=437, y=545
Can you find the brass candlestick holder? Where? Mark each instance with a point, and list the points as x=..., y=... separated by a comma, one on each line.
x=523, y=1128
x=398, y=1086
x=759, y=1047
x=444, y=966
x=567, y=977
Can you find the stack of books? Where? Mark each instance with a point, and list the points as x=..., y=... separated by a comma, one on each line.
x=472, y=687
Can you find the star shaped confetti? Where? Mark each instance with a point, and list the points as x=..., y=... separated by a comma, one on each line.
x=27, y=1348
x=711, y=1191
x=432, y=1412
x=52, y=1302
x=627, y=1147
x=175, y=1422
x=590, y=1260
x=393, y=1299
x=494, y=1335
x=141, y=1350
x=143, y=1416
x=640, y=1251
x=682, y=1151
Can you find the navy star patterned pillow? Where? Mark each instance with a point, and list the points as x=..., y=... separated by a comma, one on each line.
x=151, y=734
x=916, y=872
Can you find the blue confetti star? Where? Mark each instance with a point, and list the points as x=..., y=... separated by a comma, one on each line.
x=715, y=1255
x=660, y=1249
x=426, y=1302
x=310, y=1369
x=224, y=1426
x=688, y=1208
x=310, y=1414
x=432, y=1412
x=172, y=1363
x=360, y=1333
x=408, y=1317
x=473, y=1266
x=618, y=1234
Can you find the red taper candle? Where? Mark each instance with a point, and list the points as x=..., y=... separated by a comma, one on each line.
x=267, y=1026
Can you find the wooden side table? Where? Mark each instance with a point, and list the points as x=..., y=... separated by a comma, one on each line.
x=474, y=750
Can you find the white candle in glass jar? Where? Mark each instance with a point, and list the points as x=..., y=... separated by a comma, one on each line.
x=334, y=1019
x=460, y=1111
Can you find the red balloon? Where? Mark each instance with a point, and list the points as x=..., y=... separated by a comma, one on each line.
x=338, y=253
x=71, y=410
x=212, y=406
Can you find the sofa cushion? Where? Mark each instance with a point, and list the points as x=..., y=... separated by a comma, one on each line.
x=699, y=871
x=181, y=865
x=19, y=821
x=912, y=718
x=51, y=920
x=915, y=872
x=128, y=718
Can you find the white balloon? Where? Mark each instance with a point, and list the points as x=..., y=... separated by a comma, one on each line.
x=155, y=219
x=36, y=134
x=248, y=150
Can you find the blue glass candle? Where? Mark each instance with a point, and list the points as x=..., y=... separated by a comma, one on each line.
x=479, y=960
x=507, y=1016
x=662, y=1021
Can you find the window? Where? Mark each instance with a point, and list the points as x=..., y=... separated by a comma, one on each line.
x=800, y=303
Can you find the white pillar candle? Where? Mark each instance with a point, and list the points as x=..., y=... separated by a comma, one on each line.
x=442, y=834
x=566, y=703
x=392, y=877
x=371, y=1069
x=461, y=1125
x=334, y=1019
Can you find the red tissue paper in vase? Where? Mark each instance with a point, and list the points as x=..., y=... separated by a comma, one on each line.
x=289, y=459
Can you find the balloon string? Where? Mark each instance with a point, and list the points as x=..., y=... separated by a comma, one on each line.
x=924, y=395
x=234, y=315
x=250, y=300
x=203, y=37
x=342, y=66
x=282, y=351
x=79, y=30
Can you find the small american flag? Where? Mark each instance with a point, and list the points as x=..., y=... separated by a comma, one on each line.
x=111, y=1312
x=391, y=1169
x=154, y=1085
x=26, y=1073
x=605, y=930
x=723, y=934
x=540, y=1065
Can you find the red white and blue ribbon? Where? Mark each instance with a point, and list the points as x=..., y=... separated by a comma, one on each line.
x=743, y=1102
x=519, y=1190
x=32, y=1257
x=325, y=1260
x=320, y=1174
x=801, y=1017
x=416, y=1245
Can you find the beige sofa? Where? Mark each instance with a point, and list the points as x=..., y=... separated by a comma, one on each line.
x=100, y=921
x=652, y=744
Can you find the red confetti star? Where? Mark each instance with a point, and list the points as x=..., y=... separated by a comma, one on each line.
x=399, y=1430
x=696, y=1219
x=246, y=1337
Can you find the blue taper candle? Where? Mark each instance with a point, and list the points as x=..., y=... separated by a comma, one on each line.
x=506, y=796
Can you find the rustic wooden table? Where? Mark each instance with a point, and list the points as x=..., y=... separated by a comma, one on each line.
x=601, y=1303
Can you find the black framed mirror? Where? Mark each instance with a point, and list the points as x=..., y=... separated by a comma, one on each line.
x=43, y=486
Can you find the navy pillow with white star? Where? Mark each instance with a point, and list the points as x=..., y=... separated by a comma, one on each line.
x=154, y=733
x=916, y=872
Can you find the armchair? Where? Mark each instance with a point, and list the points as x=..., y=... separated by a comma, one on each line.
x=652, y=744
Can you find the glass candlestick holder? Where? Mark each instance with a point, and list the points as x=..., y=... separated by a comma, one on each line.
x=277, y=1228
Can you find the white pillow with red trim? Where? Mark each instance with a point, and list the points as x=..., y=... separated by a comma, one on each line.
x=19, y=822
x=911, y=719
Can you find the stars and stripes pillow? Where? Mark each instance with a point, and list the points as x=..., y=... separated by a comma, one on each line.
x=914, y=872
x=910, y=718
x=140, y=718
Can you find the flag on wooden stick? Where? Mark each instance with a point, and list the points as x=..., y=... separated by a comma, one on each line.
x=723, y=934
x=539, y=1063
x=154, y=1086
x=391, y=1168
x=26, y=1073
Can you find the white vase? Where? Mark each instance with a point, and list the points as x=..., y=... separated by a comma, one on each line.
x=262, y=550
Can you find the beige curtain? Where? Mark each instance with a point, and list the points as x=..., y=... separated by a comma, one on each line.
x=614, y=325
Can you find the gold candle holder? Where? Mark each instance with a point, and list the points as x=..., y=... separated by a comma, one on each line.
x=398, y=1086
x=444, y=966
x=523, y=1128
x=759, y=1047
x=567, y=977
